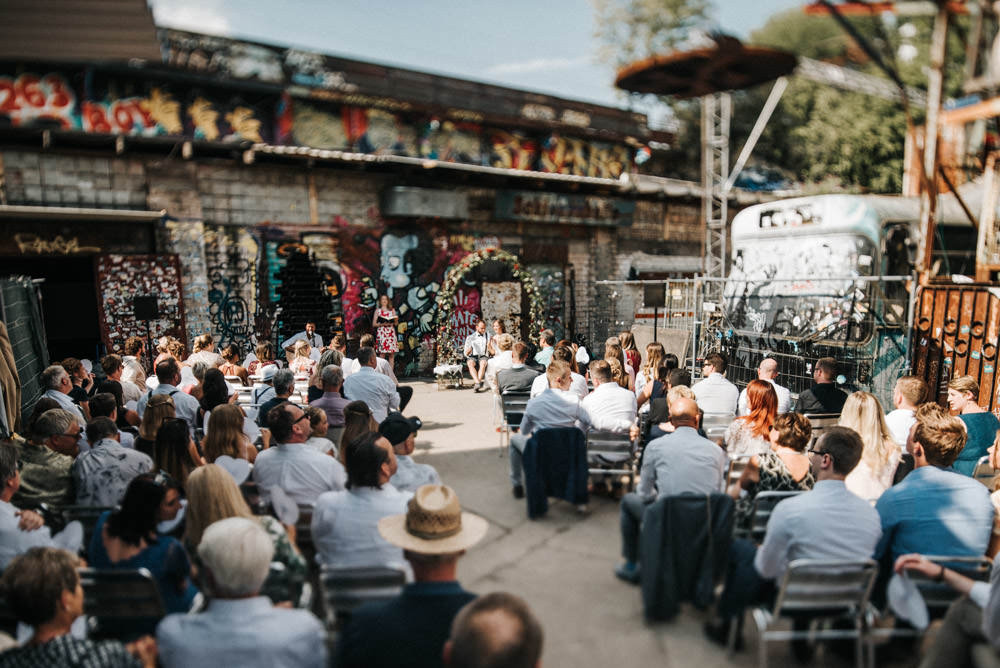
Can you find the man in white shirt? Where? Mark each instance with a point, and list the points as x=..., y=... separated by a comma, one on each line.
x=909, y=393
x=577, y=383
x=401, y=432
x=58, y=384
x=716, y=395
x=103, y=473
x=610, y=406
x=22, y=530
x=371, y=387
x=555, y=407
x=168, y=372
x=132, y=361
x=345, y=523
x=476, y=355
x=239, y=627
x=302, y=472
x=768, y=371
x=382, y=365
x=827, y=523
x=309, y=334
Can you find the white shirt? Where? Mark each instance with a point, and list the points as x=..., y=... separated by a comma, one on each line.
x=502, y=360
x=553, y=408
x=132, y=372
x=130, y=391
x=347, y=366
x=784, y=399
x=13, y=541
x=826, y=523
x=577, y=387
x=382, y=366
x=185, y=406
x=373, y=388
x=715, y=395
x=611, y=407
x=900, y=421
x=300, y=471
x=103, y=473
x=410, y=475
x=210, y=357
x=66, y=403
x=322, y=444
x=315, y=340
x=248, y=632
x=475, y=344
x=345, y=526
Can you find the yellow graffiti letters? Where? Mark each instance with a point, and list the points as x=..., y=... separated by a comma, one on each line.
x=58, y=245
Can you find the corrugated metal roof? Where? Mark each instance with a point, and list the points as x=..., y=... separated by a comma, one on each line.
x=77, y=30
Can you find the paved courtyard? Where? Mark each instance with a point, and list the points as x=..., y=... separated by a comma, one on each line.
x=561, y=564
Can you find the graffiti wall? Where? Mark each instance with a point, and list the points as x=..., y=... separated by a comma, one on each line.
x=231, y=272
x=551, y=282
x=122, y=278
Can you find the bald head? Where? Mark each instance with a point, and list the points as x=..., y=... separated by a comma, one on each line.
x=684, y=413
x=768, y=369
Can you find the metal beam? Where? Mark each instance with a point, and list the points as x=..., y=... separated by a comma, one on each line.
x=758, y=129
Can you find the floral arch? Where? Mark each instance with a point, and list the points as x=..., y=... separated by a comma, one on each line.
x=446, y=350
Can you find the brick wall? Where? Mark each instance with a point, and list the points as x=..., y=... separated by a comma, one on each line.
x=36, y=179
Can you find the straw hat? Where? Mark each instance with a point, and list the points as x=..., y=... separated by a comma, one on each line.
x=434, y=523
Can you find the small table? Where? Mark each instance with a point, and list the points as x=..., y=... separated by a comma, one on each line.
x=449, y=376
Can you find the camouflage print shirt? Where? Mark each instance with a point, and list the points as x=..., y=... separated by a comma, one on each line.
x=46, y=477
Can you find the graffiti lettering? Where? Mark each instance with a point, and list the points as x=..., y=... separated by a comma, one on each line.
x=512, y=151
x=29, y=97
x=58, y=245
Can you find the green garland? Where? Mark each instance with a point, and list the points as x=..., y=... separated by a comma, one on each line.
x=446, y=351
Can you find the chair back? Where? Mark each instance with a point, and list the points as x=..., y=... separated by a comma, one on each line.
x=763, y=506
x=820, y=423
x=984, y=472
x=304, y=537
x=715, y=425
x=611, y=452
x=735, y=472
x=120, y=604
x=87, y=516
x=826, y=587
x=344, y=589
x=514, y=404
x=938, y=595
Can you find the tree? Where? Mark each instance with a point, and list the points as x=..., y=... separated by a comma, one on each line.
x=634, y=29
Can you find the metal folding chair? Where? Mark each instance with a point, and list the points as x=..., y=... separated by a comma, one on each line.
x=735, y=472
x=819, y=590
x=820, y=423
x=610, y=452
x=513, y=406
x=344, y=589
x=120, y=604
x=984, y=472
x=763, y=506
x=715, y=425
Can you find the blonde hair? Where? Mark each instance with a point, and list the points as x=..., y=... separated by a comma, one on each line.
x=654, y=355
x=505, y=341
x=225, y=434
x=557, y=371
x=627, y=341
x=617, y=371
x=159, y=407
x=212, y=495
x=302, y=349
x=862, y=412
x=202, y=342
x=965, y=384
x=679, y=392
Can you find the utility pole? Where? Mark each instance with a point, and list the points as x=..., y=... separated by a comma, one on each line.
x=928, y=193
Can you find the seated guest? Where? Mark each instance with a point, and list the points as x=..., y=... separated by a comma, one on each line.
x=517, y=378
x=980, y=424
x=357, y=420
x=935, y=510
x=339, y=343
x=716, y=395
x=476, y=354
x=874, y=473
x=103, y=404
x=401, y=432
x=42, y=589
x=231, y=367
x=382, y=365
x=655, y=388
x=610, y=406
x=212, y=495
x=577, y=385
x=175, y=452
x=546, y=346
x=826, y=523
x=227, y=435
x=331, y=402
x=264, y=390
x=749, y=434
x=58, y=384
x=679, y=391
x=215, y=391
x=159, y=409
x=204, y=351
x=319, y=427
x=103, y=473
x=908, y=393
x=555, y=407
x=328, y=358
x=132, y=361
x=46, y=460
x=498, y=328
x=125, y=417
x=613, y=352
x=375, y=389
x=649, y=370
x=502, y=359
x=127, y=539
x=497, y=629
x=83, y=382
x=680, y=463
x=783, y=468
x=824, y=396
x=113, y=368
x=300, y=471
x=284, y=384
x=345, y=522
x=239, y=627
x=411, y=628
x=168, y=372
x=21, y=530
x=263, y=356
x=302, y=363
x=767, y=371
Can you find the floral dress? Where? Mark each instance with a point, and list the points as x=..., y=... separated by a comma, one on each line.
x=774, y=476
x=740, y=441
x=385, y=334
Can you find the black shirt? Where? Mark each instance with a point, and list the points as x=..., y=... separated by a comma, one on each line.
x=821, y=398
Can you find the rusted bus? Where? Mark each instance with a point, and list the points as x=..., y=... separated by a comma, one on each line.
x=956, y=331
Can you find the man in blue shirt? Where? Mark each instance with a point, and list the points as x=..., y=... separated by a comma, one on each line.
x=935, y=510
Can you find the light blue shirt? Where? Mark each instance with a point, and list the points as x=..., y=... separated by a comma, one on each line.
x=345, y=527
x=410, y=475
x=247, y=632
x=935, y=511
x=185, y=406
x=828, y=522
x=14, y=541
x=681, y=463
x=301, y=471
x=544, y=356
x=375, y=389
x=553, y=408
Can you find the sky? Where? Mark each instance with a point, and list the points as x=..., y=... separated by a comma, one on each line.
x=540, y=45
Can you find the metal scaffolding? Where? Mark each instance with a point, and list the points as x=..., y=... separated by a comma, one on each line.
x=716, y=112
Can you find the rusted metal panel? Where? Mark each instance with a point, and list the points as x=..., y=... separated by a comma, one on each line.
x=956, y=335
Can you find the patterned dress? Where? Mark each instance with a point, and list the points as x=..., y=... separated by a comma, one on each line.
x=385, y=334
x=774, y=477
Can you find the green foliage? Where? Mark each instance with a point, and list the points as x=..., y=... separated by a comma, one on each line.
x=635, y=29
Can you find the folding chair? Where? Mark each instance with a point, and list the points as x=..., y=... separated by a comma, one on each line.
x=304, y=537
x=820, y=423
x=87, y=516
x=513, y=407
x=763, y=506
x=344, y=589
x=819, y=590
x=715, y=425
x=120, y=604
x=735, y=472
x=610, y=452
x=984, y=472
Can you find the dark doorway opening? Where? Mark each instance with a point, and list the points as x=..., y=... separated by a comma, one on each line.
x=69, y=303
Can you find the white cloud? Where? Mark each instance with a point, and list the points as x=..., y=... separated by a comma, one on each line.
x=205, y=16
x=536, y=65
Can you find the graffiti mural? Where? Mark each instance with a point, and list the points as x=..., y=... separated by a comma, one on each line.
x=551, y=282
x=564, y=155
x=122, y=278
x=512, y=150
x=231, y=266
x=186, y=240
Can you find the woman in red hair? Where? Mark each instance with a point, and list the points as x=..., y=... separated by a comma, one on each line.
x=750, y=434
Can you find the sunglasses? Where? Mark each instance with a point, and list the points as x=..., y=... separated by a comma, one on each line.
x=76, y=437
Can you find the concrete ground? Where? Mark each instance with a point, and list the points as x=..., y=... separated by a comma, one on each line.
x=562, y=564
